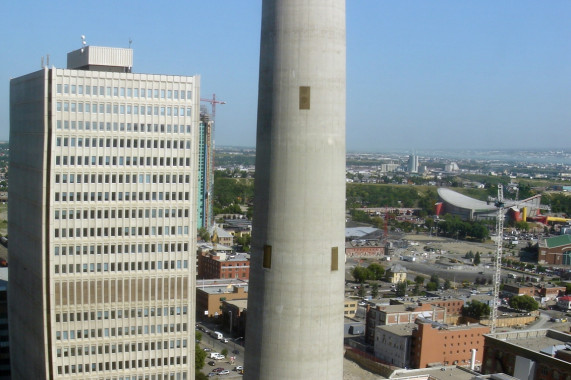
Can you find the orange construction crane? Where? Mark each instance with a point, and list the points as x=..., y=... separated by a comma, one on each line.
x=213, y=102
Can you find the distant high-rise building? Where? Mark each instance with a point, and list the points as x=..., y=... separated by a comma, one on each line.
x=102, y=216
x=205, y=170
x=296, y=299
x=412, y=165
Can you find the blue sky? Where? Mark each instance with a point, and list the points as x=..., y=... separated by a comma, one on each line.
x=420, y=74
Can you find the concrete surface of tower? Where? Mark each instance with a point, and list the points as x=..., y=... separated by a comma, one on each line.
x=295, y=306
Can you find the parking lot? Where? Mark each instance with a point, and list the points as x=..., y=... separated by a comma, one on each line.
x=226, y=367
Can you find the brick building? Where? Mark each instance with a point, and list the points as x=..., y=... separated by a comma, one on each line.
x=551, y=292
x=438, y=344
x=555, y=250
x=453, y=306
x=220, y=264
x=516, y=290
x=353, y=249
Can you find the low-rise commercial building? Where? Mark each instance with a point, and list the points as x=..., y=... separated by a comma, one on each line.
x=516, y=290
x=551, y=292
x=211, y=293
x=399, y=314
x=531, y=354
x=393, y=344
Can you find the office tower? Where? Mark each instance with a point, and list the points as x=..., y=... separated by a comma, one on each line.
x=412, y=165
x=295, y=304
x=102, y=221
x=205, y=170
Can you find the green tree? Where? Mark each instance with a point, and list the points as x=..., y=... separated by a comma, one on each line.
x=360, y=274
x=401, y=289
x=198, y=336
x=434, y=278
x=477, y=259
x=524, y=302
x=419, y=280
x=361, y=292
x=476, y=309
x=567, y=288
x=203, y=234
x=200, y=376
x=432, y=286
x=224, y=351
x=374, y=290
x=199, y=357
x=447, y=284
x=376, y=271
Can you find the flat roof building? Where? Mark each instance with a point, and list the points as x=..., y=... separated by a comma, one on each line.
x=102, y=214
x=530, y=354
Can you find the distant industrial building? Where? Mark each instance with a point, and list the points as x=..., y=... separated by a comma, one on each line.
x=528, y=354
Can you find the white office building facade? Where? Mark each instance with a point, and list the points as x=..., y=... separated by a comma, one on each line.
x=103, y=221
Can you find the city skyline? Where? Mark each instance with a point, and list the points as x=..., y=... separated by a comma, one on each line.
x=419, y=75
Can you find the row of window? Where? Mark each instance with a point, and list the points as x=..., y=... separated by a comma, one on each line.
x=120, y=127
x=121, y=213
x=121, y=178
x=123, y=109
x=120, y=331
x=121, y=161
x=120, y=196
x=120, y=248
x=119, y=267
x=128, y=92
x=121, y=231
x=121, y=143
x=118, y=365
x=121, y=314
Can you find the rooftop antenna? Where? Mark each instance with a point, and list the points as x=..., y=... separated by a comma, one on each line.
x=130, y=42
x=83, y=43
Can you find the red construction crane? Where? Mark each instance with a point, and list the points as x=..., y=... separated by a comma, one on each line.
x=213, y=103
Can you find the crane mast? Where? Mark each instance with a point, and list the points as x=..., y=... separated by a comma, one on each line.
x=497, y=274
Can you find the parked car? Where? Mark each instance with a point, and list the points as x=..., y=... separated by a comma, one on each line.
x=238, y=368
x=225, y=372
x=217, y=370
x=212, y=363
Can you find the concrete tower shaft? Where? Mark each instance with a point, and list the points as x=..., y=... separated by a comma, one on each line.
x=295, y=306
